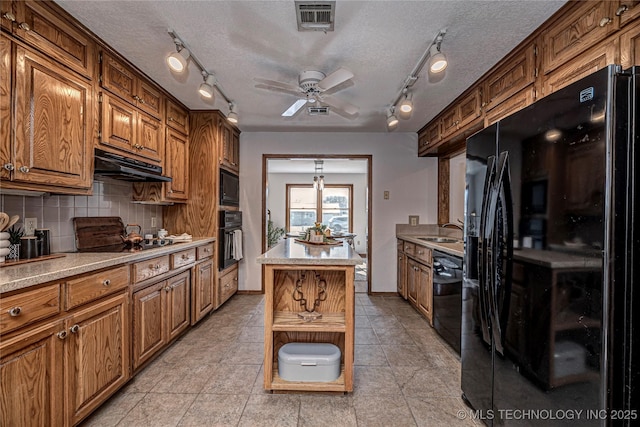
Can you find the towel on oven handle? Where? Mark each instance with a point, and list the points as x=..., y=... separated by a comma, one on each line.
x=237, y=245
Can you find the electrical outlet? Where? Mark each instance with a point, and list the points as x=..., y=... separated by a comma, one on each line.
x=153, y=222
x=30, y=225
x=386, y=195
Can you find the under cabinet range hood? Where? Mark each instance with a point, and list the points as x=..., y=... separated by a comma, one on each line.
x=125, y=169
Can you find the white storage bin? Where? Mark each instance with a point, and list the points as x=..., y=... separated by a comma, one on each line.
x=306, y=362
x=569, y=358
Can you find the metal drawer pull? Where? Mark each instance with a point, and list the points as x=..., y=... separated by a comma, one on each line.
x=622, y=9
x=207, y=250
x=24, y=26
x=106, y=282
x=9, y=16
x=62, y=334
x=604, y=21
x=185, y=257
x=8, y=166
x=74, y=329
x=167, y=289
x=23, y=169
x=15, y=312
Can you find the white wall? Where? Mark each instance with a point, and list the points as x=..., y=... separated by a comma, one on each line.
x=411, y=180
x=278, y=205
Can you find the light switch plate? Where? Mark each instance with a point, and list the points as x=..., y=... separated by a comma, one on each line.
x=386, y=195
x=413, y=220
x=30, y=225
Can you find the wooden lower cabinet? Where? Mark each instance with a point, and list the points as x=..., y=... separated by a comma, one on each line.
x=415, y=282
x=227, y=285
x=424, y=287
x=97, y=355
x=412, y=289
x=203, y=290
x=31, y=369
x=160, y=313
x=402, y=275
x=57, y=372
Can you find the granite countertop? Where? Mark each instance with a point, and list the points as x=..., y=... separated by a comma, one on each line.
x=291, y=252
x=34, y=273
x=455, y=249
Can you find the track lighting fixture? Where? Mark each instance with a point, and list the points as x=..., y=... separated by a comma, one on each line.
x=437, y=60
x=206, y=88
x=403, y=102
x=179, y=62
x=233, y=115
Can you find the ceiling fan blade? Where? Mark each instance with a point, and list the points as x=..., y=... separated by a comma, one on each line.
x=339, y=104
x=278, y=89
x=277, y=84
x=294, y=108
x=335, y=78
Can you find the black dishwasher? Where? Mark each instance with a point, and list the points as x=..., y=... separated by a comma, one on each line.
x=447, y=297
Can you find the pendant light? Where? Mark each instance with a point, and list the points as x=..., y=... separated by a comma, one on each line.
x=318, y=179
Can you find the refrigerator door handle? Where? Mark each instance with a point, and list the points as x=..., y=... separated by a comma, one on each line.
x=484, y=273
x=502, y=277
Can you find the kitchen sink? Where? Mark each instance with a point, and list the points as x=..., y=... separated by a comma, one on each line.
x=439, y=239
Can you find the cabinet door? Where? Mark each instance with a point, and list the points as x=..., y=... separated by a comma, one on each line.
x=97, y=356
x=176, y=164
x=148, y=320
x=425, y=291
x=5, y=104
x=429, y=137
x=31, y=369
x=235, y=149
x=629, y=10
x=149, y=141
x=118, y=78
x=202, y=294
x=412, y=281
x=586, y=25
x=117, y=123
x=149, y=98
x=509, y=106
x=52, y=105
x=402, y=275
x=510, y=78
x=227, y=286
x=177, y=117
x=178, y=304
x=55, y=36
x=630, y=46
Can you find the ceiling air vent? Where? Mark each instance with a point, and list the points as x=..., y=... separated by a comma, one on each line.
x=318, y=111
x=315, y=15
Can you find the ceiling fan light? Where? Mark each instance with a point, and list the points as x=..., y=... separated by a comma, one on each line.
x=177, y=61
x=437, y=60
x=206, y=88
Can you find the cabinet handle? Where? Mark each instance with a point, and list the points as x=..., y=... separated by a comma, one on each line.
x=604, y=21
x=207, y=250
x=15, y=311
x=399, y=258
x=170, y=119
x=106, y=282
x=24, y=169
x=9, y=16
x=136, y=98
x=622, y=9
x=24, y=26
x=62, y=334
x=74, y=329
x=419, y=252
x=185, y=257
x=8, y=166
x=141, y=101
x=167, y=289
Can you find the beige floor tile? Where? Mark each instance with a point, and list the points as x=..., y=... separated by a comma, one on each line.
x=159, y=409
x=382, y=411
x=394, y=336
x=114, y=410
x=232, y=379
x=214, y=410
x=280, y=410
x=366, y=336
x=400, y=355
x=246, y=353
x=439, y=411
x=374, y=380
x=330, y=410
x=369, y=355
x=185, y=379
x=251, y=334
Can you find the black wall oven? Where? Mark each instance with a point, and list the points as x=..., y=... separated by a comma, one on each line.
x=230, y=243
x=229, y=189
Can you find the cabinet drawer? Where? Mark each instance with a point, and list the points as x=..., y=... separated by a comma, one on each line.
x=97, y=285
x=183, y=258
x=27, y=307
x=227, y=286
x=153, y=267
x=409, y=248
x=400, y=245
x=205, y=251
x=422, y=253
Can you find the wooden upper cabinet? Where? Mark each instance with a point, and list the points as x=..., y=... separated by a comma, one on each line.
x=229, y=143
x=510, y=105
x=5, y=105
x=630, y=46
x=124, y=82
x=628, y=11
x=177, y=117
x=589, y=62
x=587, y=24
x=124, y=128
x=463, y=112
x=50, y=33
x=177, y=166
x=429, y=137
x=510, y=78
x=52, y=109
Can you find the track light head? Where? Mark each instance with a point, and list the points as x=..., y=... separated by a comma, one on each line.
x=206, y=88
x=177, y=61
x=233, y=115
x=406, y=106
x=392, y=120
x=437, y=60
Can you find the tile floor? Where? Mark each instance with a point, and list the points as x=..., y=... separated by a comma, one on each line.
x=405, y=375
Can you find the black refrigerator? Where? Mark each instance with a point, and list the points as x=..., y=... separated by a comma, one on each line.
x=550, y=246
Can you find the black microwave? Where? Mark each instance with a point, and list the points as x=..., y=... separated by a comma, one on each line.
x=229, y=189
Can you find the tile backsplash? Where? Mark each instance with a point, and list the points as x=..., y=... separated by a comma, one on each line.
x=56, y=212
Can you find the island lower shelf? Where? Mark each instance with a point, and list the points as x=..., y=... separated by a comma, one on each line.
x=325, y=289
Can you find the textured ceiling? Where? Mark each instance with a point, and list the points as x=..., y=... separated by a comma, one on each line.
x=379, y=41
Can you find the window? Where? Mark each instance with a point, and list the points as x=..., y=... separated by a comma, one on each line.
x=305, y=205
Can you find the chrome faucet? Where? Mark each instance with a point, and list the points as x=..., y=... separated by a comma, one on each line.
x=450, y=224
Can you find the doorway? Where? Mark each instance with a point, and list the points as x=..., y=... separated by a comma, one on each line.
x=282, y=172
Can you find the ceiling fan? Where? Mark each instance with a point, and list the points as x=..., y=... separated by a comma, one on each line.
x=313, y=89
